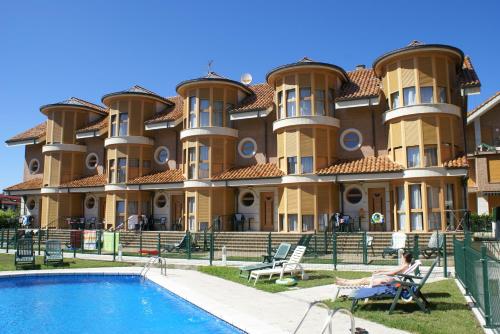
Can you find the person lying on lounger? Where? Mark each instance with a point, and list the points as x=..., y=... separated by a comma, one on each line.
x=381, y=276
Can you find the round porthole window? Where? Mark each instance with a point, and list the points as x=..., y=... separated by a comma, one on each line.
x=247, y=199
x=34, y=166
x=91, y=161
x=247, y=147
x=161, y=201
x=162, y=155
x=354, y=195
x=351, y=139
x=31, y=204
x=90, y=202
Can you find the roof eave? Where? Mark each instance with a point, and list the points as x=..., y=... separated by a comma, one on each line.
x=212, y=80
x=135, y=94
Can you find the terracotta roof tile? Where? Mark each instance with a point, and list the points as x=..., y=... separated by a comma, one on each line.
x=139, y=90
x=365, y=165
x=468, y=76
x=460, y=162
x=94, y=126
x=27, y=185
x=251, y=172
x=36, y=132
x=171, y=113
x=88, y=181
x=166, y=176
x=488, y=100
x=362, y=83
x=261, y=99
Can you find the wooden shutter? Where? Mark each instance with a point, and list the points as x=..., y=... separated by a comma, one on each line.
x=392, y=74
x=217, y=155
x=307, y=200
x=407, y=73
x=321, y=140
x=323, y=198
x=57, y=132
x=281, y=147
x=68, y=128
x=292, y=201
x=306, y=142
x=411, y=133
x=135, y=119
x=425, y=71
x=281, y=200
x=445, y=130
x=398, y=155
x=429, y=130
x=203, y=206
x=396, y=134
x=440, y=71
x=218, y=204
x=291, y=143
x=494, y=169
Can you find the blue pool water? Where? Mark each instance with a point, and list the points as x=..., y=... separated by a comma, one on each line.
x=105, y=304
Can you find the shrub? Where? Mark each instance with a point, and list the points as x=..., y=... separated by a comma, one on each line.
x=8, y=218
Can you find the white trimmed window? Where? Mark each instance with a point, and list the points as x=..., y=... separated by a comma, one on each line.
x=161, y=201
x=31, y=204
x=247, y=147
x=354, y=195
x=351, y=139
x=247, y=199
x=162, y=155
x=91, y=161
x=34, y=166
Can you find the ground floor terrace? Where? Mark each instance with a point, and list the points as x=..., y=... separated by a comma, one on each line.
x=301, y=204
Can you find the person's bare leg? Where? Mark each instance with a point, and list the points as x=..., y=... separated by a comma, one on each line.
x=360, y=281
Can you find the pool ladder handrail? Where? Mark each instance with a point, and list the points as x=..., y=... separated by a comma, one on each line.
x=163, y=266
x=329, y=318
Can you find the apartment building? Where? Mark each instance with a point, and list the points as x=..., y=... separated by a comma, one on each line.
x=483, y=148
x=311, y=141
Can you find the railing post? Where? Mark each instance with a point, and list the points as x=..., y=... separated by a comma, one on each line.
x=158, y=246
x=188, y=239
x=140, y=244
x=39, y=241
x=8, y=239
x=445, y=256
x=416, y=251
x=15, y=237
x=464, y=249
x=205, y=240
x=82, y=241
x=365, y=249
x=334, y=250
x=114, y=245
x=315, y=244
x=486, y=287
x=269, y=246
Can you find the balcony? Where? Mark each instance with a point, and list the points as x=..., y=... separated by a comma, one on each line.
x=137, y=140
x=208, y=131
x=305, y=121
x=421, y=109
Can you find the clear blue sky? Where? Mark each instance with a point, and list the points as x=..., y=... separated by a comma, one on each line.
x=52, y=50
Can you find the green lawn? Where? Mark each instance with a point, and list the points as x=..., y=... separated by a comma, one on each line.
x=449, y=312
x=320, y=277
x=7, y=263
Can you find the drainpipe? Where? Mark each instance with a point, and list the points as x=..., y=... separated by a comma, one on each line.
x=374, y=140
x=265, y=139
x=341, y=188
x=464, y=130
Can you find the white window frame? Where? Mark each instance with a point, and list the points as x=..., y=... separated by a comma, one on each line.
x=240, y=147
x=157, y=151
x=346, y=198
x=87, y=160
x=243, y=193
x=86, y=201
x=156, y=201
x=32, y=161
x=345, y=133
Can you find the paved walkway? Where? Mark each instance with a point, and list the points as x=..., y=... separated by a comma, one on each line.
x=252, y=310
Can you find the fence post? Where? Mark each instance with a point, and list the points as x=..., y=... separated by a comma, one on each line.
x=315, y=245
x=39, y=241
x=158, y=246
x=465, y=281
x=8, y=237
x=211, y=246
x=334, y=250
x=325, y=241
x=365, y=249
x=445, y=256
x=188, y=240
x=114, y=245
x=1, y=239
x=15, y=237
x=140, y=244
x=486, y=287
x=205, y=240
x=269, y=246
x=99, y=241
x=82, y=241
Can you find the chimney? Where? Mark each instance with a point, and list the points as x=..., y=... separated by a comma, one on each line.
x=360, y=67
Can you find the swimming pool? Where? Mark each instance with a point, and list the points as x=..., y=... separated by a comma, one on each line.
x=106, y=304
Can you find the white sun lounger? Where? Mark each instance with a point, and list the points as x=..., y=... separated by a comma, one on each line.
x=288, y=267
x=347, y=290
